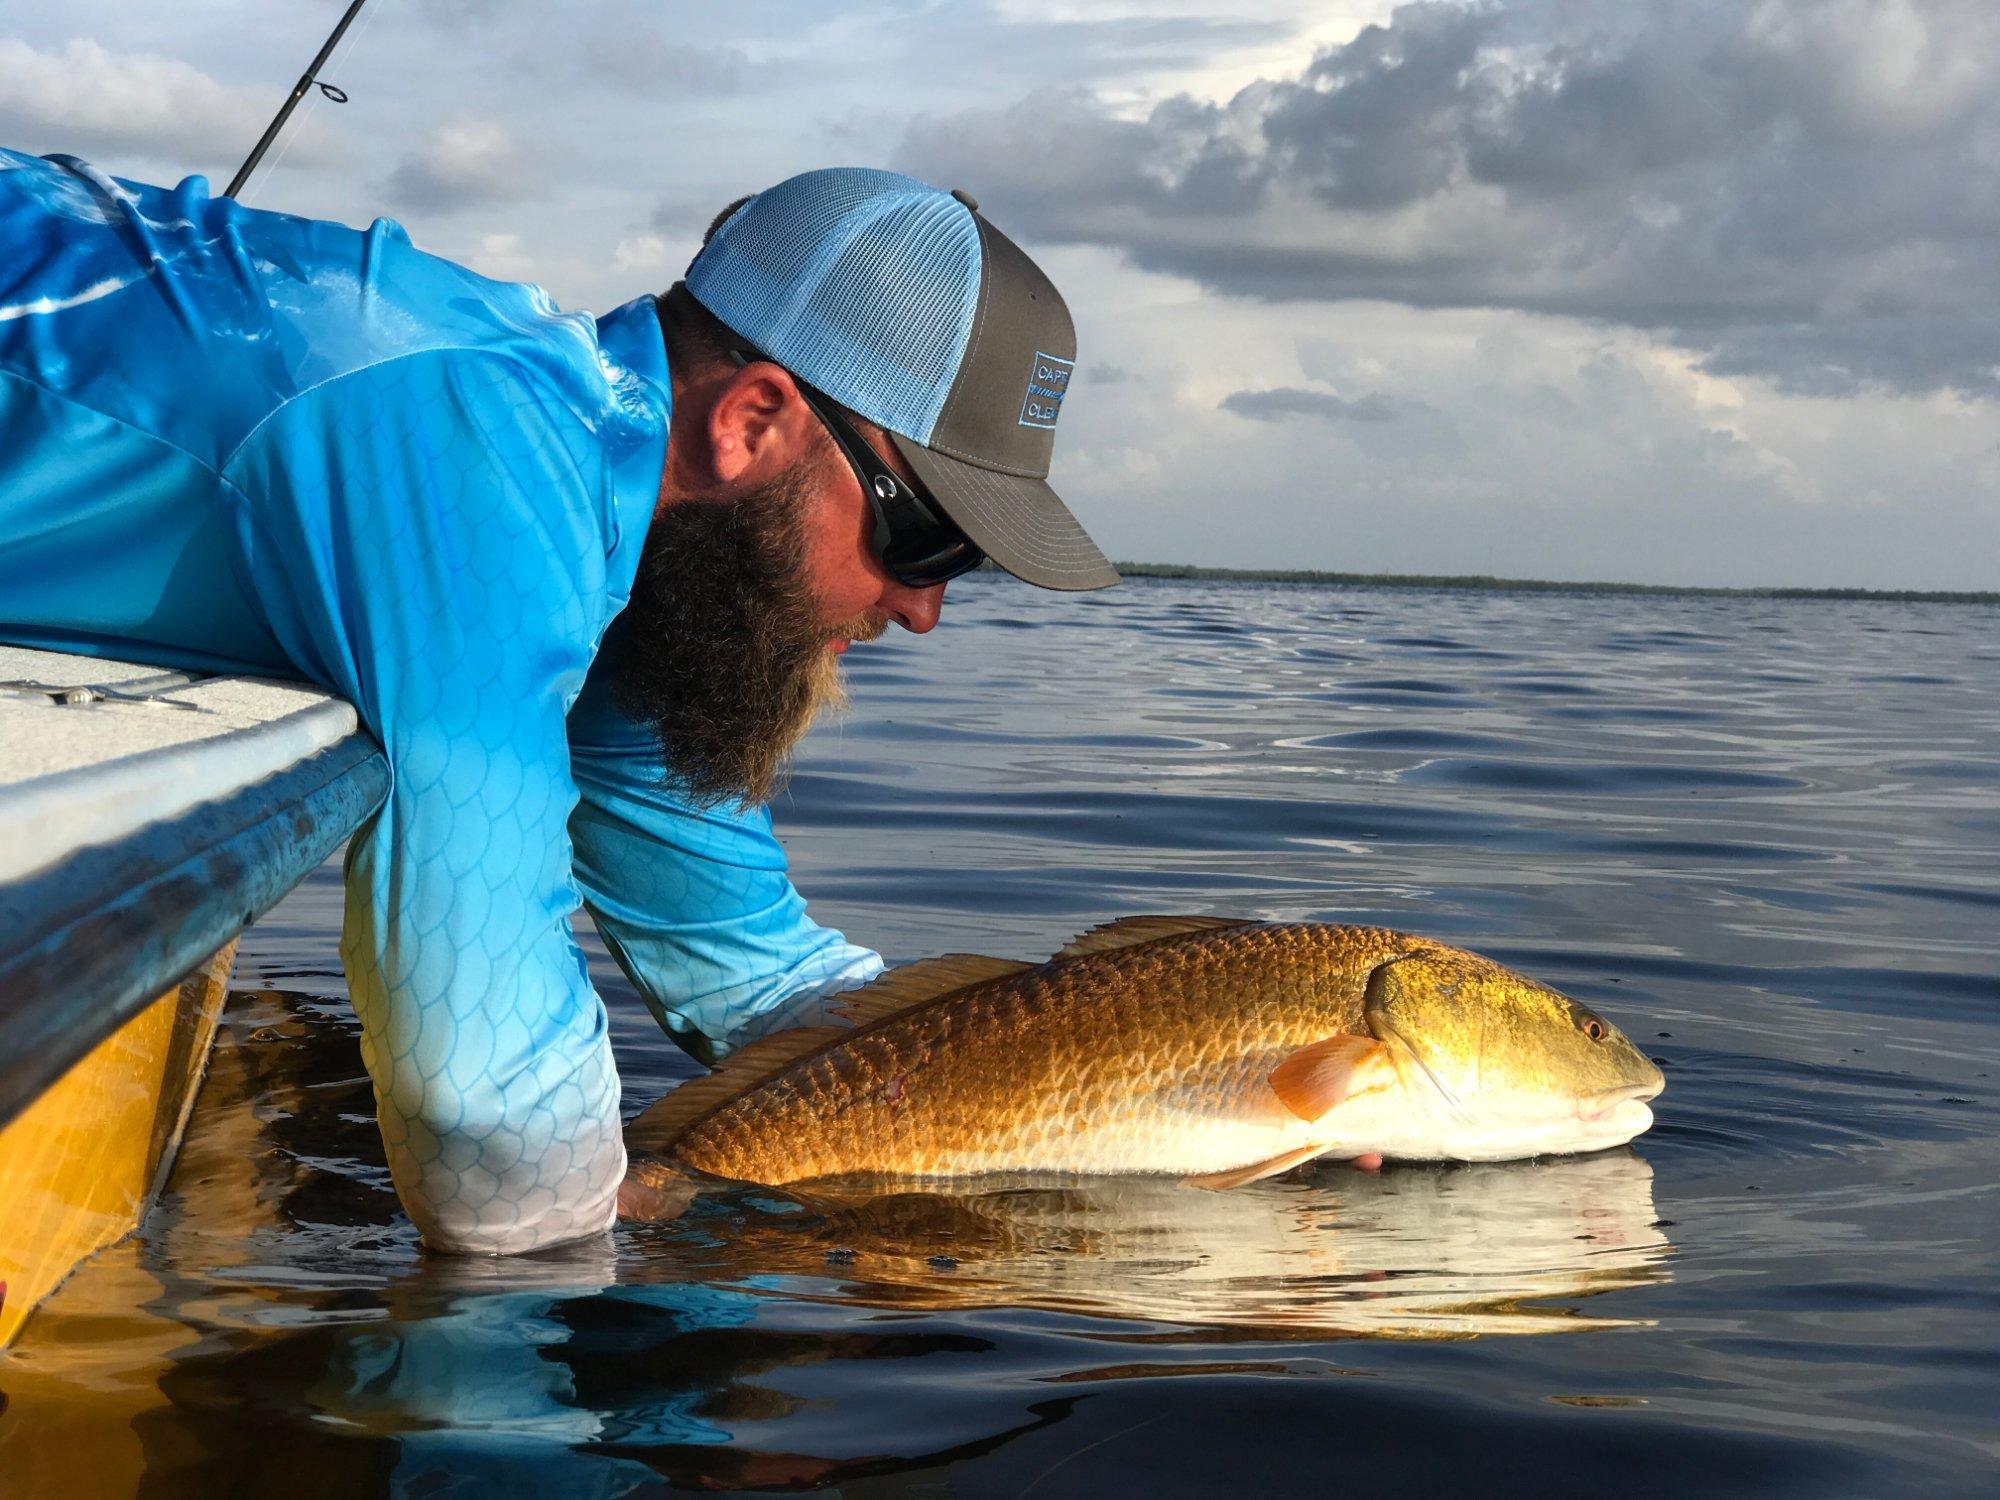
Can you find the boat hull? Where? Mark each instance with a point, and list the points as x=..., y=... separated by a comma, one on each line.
x=83, y=1161
x=147, y=816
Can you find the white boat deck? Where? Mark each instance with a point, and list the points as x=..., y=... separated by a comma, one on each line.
x=93, y=750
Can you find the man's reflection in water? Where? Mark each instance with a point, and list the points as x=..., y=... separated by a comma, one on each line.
x=561, y=1390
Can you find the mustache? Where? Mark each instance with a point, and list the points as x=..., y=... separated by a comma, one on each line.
x=860, y=628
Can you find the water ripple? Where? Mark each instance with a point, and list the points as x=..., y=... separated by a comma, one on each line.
x=1758, y=835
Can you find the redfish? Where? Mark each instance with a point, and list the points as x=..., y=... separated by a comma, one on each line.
x=1214, y=1050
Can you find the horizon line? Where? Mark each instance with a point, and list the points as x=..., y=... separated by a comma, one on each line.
x=1493, y=583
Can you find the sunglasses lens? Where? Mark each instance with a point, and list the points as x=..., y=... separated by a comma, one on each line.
x=919, y=546
x=931, y=555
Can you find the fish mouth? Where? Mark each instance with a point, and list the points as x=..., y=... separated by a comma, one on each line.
x=1594, y=1108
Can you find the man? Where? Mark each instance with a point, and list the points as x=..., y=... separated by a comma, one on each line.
x=241, y=440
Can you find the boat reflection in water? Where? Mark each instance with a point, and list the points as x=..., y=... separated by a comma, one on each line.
x=1417, y=1252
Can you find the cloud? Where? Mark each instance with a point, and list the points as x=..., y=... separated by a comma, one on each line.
x=639, y=46
x=1285, y=401
x=643, y=254
x=658, y=63
x=1803, y=190
x=689, y=217
x=1525, y=445
x=87, y=100
x=469, y=161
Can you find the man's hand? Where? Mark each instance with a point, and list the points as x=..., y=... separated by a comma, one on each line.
x=653, y=1191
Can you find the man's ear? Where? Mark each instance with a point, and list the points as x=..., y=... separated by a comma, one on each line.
x=758, y=425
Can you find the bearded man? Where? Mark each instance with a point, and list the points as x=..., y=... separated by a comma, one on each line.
x=242, y=441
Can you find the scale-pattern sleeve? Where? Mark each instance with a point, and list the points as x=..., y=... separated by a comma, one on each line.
x=427, y=532
x=695, y=902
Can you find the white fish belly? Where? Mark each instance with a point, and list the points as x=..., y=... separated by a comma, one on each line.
x=1152, y=1139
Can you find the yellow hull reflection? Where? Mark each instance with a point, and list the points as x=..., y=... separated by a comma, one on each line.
x=78, y=1386
x=79, y=1166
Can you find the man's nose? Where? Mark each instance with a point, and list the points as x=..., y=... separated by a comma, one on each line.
x=916, y=610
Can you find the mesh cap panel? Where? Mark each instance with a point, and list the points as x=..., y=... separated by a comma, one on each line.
x=862, y=282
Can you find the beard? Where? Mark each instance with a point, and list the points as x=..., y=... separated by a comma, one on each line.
x=722, y=652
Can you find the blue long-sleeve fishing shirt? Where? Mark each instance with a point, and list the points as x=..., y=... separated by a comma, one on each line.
x=241, y=440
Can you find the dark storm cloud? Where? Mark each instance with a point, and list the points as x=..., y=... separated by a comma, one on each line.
x=1807, y=190
x=1290, y=401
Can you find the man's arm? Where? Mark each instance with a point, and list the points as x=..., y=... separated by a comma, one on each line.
x=694, y=902
x=425, y=536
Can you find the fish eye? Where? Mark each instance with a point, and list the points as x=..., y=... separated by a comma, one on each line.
x=1590, y=1026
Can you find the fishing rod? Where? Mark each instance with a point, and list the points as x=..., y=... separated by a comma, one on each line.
x=308, y=80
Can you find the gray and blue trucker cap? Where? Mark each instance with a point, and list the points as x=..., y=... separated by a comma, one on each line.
x=903, y=304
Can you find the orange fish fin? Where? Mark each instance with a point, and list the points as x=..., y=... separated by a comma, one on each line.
x=1314, y=1079
x=655, y=1128
x=1237, y=1176
x=913, y=984
x=1129, y=932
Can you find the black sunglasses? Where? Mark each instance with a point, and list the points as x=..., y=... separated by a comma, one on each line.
x=919, y=545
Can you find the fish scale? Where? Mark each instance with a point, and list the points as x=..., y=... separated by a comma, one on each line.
x=1141, y=1049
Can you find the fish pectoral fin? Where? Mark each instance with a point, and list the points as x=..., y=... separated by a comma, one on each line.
x=1314, y=1079
x=654, y=1190
x=913, y=984
x=1237, y=1176
x=1129, y=932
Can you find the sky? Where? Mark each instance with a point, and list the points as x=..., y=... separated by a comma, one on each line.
x=1662, y=291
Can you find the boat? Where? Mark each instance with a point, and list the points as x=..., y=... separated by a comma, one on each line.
x=147, y=816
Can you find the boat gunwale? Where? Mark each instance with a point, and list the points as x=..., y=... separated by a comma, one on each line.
x=87, y=941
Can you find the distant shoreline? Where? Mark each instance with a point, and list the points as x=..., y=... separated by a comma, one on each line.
x=1485, y=583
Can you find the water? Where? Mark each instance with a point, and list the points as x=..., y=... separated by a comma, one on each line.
x=1760, y=836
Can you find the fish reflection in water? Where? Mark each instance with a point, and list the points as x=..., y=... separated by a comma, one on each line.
x=1417, y=1252
x=718, y=1350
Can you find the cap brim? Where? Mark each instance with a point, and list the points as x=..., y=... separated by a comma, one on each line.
x=1018, y=522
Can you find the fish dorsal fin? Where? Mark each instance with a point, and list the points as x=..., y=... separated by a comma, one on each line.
x=657, y=1126
x=1314, y=1079
x=1129, y=932
x=913, y=984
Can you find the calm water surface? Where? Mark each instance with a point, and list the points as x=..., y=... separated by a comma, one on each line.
x=1760, y=836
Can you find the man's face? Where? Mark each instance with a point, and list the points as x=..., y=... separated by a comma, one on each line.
x=741, y=608
x=847, y=576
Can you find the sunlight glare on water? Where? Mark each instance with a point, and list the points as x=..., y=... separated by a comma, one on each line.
x=1758, y=835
